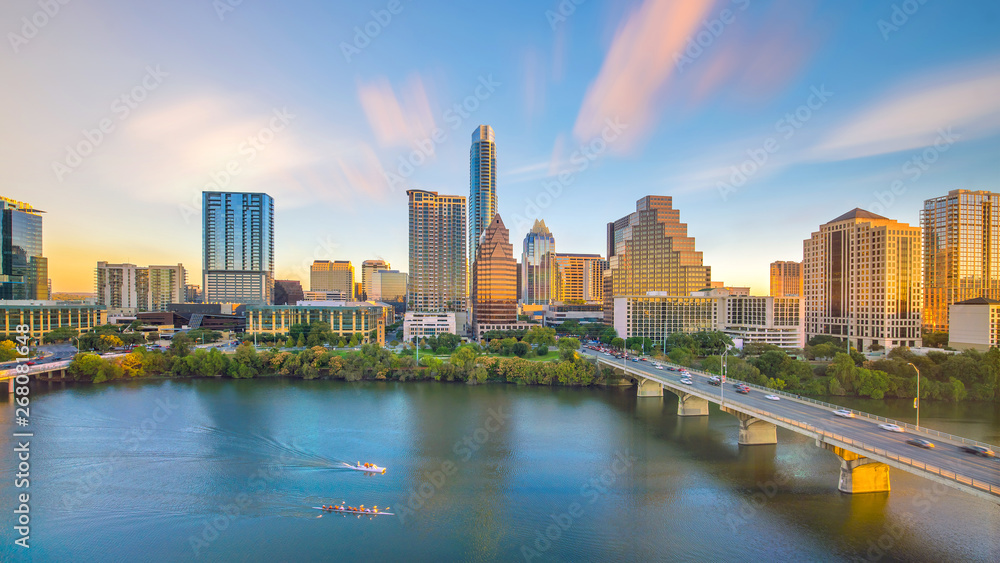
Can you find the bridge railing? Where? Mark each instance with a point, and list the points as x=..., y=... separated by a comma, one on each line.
x=874, y=417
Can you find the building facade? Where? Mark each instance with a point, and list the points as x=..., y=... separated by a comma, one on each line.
x=438, y=259
x=336, y=295
x=786, y=279
x=417, y=324
x=24, y=272
x=975, y=324
x=237, y=247
x=579, y=277
x=650, y=250
x=126, y=289
x=192, y=293
x=332, y=275
x=862, y=282
x=494, y=278
x=167, y=284
x=389, y=286
x=45, y=316
x=369, y=270
x=288, y=292
x=482, y=185
x=538, y=266
x=586, y=313
x=345, y=319
x=961, y=252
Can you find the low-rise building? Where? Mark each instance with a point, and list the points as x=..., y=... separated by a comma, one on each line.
x=44, y=316
x=345, y=318
x=420, y=324
x=584, y=313
x=974, y=323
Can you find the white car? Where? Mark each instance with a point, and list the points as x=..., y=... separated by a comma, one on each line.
x=659, y=366
x=890, y=427
x=772, y=397
x=687, y=381
x=844, y=413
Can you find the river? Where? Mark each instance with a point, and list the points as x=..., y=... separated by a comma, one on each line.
x=227, y=470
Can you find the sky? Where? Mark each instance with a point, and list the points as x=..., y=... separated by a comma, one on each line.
x=763, y=120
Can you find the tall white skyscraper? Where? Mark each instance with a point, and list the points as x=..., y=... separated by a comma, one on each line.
x=482, y=185
x=238, y=247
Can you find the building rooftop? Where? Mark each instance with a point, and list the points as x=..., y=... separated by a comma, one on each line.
x=858, y=213
x=979, y=301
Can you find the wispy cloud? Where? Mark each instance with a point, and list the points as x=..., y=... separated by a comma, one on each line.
x=913, y=117
x=397, y=121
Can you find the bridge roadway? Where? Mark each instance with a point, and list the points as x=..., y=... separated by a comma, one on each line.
x=847, y=437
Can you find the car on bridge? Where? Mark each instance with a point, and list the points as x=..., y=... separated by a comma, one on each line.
x=844, y=413
x=714, y=380
x=891, y=427
x=921, y=443
x=772, y=397
x=687, y=381
x=981, y=451
x=743, y=390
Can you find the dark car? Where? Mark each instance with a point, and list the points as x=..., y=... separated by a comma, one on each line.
x=978, y=450
x=921, y=443
x=743, y=390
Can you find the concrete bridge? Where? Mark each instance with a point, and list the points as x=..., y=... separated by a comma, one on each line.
x=866, y=451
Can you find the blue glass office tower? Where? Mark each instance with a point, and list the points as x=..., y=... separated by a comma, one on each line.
x=482, y=185
x=24, y=272
x=238, y=247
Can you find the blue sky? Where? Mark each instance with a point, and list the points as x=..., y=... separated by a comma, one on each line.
x=262, y=97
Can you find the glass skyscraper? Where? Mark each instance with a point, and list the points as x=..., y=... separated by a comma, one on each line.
x=24, y=272
x=438, y=262
x=961, y=251
x=482, y=185
x=494, y=278
x=238, y=247
x=538, y=266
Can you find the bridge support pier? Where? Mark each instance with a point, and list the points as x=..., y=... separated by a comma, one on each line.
x=754, y=431
x=858, y=474
x=649, y=388
x=691, y=405
x=10, y=385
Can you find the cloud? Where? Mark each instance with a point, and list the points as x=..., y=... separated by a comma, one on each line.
x=967, y=102
x=363, y=172
x=397, y=121
x=639, y=62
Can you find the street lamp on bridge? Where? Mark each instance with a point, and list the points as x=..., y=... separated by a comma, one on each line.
x=916, y=401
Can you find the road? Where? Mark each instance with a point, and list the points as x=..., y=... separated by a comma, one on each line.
x=946, y=455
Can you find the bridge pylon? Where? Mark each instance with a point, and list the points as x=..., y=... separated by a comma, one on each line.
x=649, y=388
x=858, y=474
x=754, y=431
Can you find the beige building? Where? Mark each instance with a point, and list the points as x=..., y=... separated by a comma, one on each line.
x=438, y=261
x=786, y=279
x=45, y=316
x=862, y=282
x=127, y=289
x=579, y=277
x=975, y=324
x=961, y=252
x=335, y=275
x=344, y=318
x=369, y=271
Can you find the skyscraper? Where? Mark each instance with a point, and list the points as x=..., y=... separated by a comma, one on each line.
x=166, y=285
x=238, y=247
x=389, y=286
x=482, y=185
x=24, y=272
x=336, y=275
x=538, y=266
x=861, y=277
x=575, y=277
x=494, y=278
x=368, y=274
x=650, y=250
x=128, y=289
x=961, y=251
x=438, y=260
x=786, y=279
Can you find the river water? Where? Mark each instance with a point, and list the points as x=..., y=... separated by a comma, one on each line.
x=224, y=470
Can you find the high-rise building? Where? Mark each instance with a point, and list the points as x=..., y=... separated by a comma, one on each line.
x=332, y=275
x=438, y=259
x=494, y=278
x=389, y=286
x=368, y=274
x=786, y=279
x=650, y=250
x=861, y=277
x=577, y=275
x=538, y=266
x=192, y=293
x=24, y=272
x=129, y=289
x=482, y=185
x=288, y=292
x=238, y=247
x=167, y=284
x=961, y=251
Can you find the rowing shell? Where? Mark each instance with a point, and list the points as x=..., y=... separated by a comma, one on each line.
x=372, y=469
x=353, y=511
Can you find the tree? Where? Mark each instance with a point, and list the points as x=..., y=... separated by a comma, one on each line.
x=60, y=334
x=85, y=366
x=540, y=335
x=542, y=350
x=618, y=343
x=520, y=349
x=180, y=345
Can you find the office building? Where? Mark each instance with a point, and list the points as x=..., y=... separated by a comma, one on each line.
x=238, y=247
x=538, y=266
x=438, y=267
x=579, y=277
x=786, y=279
x=192, y=293
x=861, y=280
x=961, y=247
x=482, y=185
x=368, y=274
x=345, y=318
x=41, y=316
x=288, y=292
x=335, y=275
x=494, y=280
x=650, y=250
x=166, y=285
x=336, y=295
x=24, y=272
x=417, y=324
x=975, y=324
x=583, y=313
x=389, y=286
x=126, y=289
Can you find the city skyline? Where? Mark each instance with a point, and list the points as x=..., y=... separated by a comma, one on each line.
x=892, y=120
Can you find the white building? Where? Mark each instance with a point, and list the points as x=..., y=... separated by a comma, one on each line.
x=420, y=324
x=975, y=324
